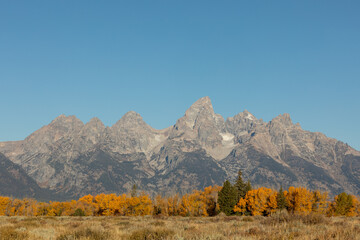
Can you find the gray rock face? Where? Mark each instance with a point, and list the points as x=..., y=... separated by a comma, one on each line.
x=16, y=183
x=73, y=159
x=200, y=124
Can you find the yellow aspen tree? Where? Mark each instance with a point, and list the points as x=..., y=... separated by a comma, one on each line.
x=160, y=206
x=261, y=201
x=118, y=205
x=173, y=205
x=271, y=204
x=184, y=208
x=210, y=195
x=198, y=206
x=5, y=204
x=132, y=204
x=299, y=200
x=17, y=208
x=86, y=203
x=320, y=202
x=240, y=207
x=103, y=203
x=42, y=209
x=354, y=209
x=144, y=207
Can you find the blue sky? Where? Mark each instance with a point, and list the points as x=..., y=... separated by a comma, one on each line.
x=104, y=58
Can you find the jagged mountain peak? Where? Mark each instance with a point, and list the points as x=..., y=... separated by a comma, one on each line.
x=200, y=106
x=249, y=115
x=58, y=128
x=131, y=119
x=201, y=110
x=241, y=124
x=284, y=119
x=200, y=123
x=66, y=119
x=245, y=115
x=63, y=155
x=202, y=102
x=95, y=122
x=132, y=115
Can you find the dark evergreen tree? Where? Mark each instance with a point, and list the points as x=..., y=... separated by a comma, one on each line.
x=227, y=198
x=281, y=200
x=248, y=187
x=240, y=186
x=133, y=191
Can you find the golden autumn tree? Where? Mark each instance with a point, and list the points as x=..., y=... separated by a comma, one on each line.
x=299, y=200
x=42, y=209
x=193, y=204
x=210, y=196
x=17, y=208
x=320, y=202
x=87, y=205
x=185, y=207
x=240, y=207
x=260, y=201
x=54, y=209
x=118, y=205
x=173, y=205
x=145, y=206
x=5, y=203
x=355, y=207
x=344, y=205
x=160, y=206
x=103, y=203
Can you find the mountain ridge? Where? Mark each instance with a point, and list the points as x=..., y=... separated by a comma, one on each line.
x=71, y=157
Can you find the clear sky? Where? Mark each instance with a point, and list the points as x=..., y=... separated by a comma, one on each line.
x=104, y=58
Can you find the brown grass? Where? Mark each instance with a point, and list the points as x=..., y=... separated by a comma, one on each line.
x=277, y=226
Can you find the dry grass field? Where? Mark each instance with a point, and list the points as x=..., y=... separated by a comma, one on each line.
x=278, y=226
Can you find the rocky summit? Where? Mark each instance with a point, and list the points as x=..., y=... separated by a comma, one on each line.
x=68, y=159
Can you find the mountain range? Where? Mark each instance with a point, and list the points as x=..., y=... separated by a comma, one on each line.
x=67, y=159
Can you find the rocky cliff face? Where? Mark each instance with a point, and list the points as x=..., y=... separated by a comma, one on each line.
x=73, y=159
x=16, y=183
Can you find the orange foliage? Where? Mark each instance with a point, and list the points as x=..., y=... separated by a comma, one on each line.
x=240, y=207
x=173, y=205
x=200, y=203
x=299, y=200
x=320, y=202
x=260, y=201
x=4, y=205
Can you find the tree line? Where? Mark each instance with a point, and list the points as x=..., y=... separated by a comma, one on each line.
x=232, y=199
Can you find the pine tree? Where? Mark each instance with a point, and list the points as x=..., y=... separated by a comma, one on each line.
x=240, y=187
x=133, y=191
x=227, y=198
x=248, y=187
x=281, y=199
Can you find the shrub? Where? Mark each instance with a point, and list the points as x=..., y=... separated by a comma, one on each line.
x=87, y=233
x=158, y=223
x=277, y=218
x=313, y=219
x=7, y=233
x=79, y=212
x=247, y=219
x=152, y=234
x=281, y=217
x=255, y=231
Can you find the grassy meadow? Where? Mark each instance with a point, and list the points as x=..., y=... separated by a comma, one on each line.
x=277, y=226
